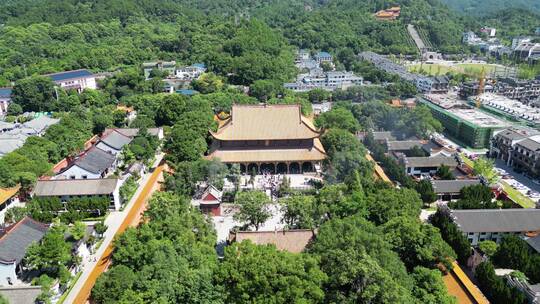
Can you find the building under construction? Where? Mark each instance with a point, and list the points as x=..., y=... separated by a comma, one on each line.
x=468, y=125
x=509, y=109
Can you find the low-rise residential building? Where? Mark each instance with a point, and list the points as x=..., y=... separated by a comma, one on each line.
x=294, y=241
x=517, y=41
x=191, y=72
x=113, y=141
x=39, y=125
x=438, y=147
x=447, y=190
x=424, y=84
x=13, y=136
x=313, y=76
x=77, y=80
x=522, y=90
x=472, y=88
x=383, y=136
x=471, y=38
x=162, y=66
x=132, y=132
x=5, y=100
x=492, y=224
x=433, y=85
x=508, y=108
x=526, y=91
x=526, y=50
x=9, y=142
x=91, y=164
x=67, y=189
x=403, y=146
x=321, y=57
x=102, y=158
x=36, y=126
x=302, y=55
x=490, y=31
x=14, y=241
x=319, y=108
x=426, y=165
x=329, y=81
x=519, y=147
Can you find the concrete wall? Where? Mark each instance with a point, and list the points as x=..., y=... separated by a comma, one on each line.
x=83, y=83
x=77, y=172
x=476, y=237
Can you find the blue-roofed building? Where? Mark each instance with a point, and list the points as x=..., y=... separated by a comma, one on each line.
x=323, y=57
x=199, y=65
x=78, y=80
x=5, y=99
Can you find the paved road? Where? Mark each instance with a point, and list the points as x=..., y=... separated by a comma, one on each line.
x=527, y=182
x=117, y=223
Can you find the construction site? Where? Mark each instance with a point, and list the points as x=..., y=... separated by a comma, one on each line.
x=508, y=109
x=466, y=124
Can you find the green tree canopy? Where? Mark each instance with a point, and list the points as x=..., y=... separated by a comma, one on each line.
x=358, y=261
x=340, y=118
x=257, y=274
x=51, y=255
x=385, y=204
x=34, y=94
x=253, y=208
x=417, y=244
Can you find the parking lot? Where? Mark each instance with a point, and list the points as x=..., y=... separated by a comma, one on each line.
x=525, y=185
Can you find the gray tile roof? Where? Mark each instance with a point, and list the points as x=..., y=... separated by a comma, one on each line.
x=382, y=135
x=452, y=186
x=497, y=220
x=403, y=144
x=95, y=160
x=534, y=242
x=40, y=124
x=70, y=187
x=436, y=161
x=511, y=134
x=132, y=132
x=116, y=140
x=529, y=144
x=9, y=145
x=19, y=237
x=21, y=294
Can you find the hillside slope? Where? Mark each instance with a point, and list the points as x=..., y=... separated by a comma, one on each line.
x=487, y=7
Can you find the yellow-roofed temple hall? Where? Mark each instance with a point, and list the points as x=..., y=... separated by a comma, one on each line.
x=268, y=139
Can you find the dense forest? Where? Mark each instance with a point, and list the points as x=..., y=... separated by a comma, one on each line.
x=41, y=36
x=371, y=246
x=486, y=7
